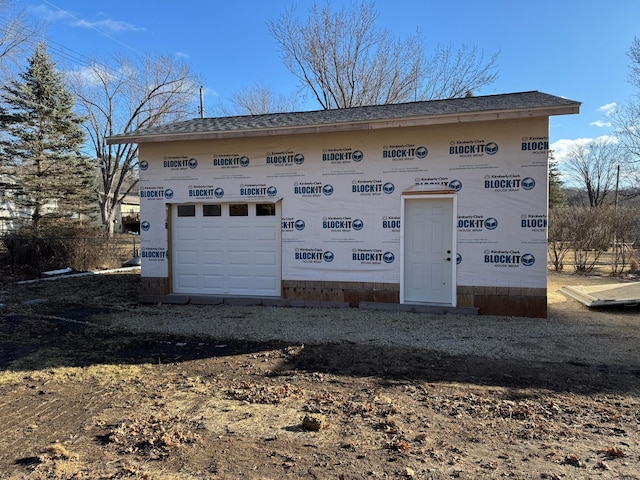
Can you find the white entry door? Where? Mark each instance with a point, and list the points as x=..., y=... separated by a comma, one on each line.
x=226, y=249
x=429, y=255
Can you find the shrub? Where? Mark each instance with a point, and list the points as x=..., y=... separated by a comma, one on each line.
x=80, y=248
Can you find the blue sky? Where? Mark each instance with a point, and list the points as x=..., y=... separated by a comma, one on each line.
x=570, y=48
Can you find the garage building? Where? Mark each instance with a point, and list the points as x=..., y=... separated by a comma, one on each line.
x=435, y=203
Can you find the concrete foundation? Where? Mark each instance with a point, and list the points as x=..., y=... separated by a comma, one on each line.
x=505, y=301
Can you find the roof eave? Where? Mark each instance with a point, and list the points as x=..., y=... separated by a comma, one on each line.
x=573, y=108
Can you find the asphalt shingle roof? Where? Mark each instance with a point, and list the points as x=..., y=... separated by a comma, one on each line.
x=533, y=100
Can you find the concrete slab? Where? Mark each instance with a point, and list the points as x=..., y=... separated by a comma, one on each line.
x=241, y=301
x=417, y=308
x=318, y=304
x=184, y=299
x=206, y=300
x=604, y=295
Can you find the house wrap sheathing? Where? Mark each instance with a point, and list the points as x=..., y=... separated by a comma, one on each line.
x=429, y=203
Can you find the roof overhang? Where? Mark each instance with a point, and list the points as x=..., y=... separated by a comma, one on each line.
x=364, y=125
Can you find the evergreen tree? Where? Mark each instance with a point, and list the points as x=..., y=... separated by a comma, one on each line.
x=557, y=197
x=40, y=149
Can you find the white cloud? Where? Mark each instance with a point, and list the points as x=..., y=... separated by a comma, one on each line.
x=108, y=24
x=48, y=15
x=210, y=92
x=600, y=123
x=608, y=109
x=93, y=75
x=563, y=146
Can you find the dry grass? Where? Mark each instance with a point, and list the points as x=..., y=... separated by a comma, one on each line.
x=103, y=374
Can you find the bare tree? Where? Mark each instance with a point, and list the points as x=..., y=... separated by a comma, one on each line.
x=593, y=166
x=627, y=122
x=590, y=237
x=125, y=97
x=590, y=232
x=258, y=100
x=455, y=73
x=634, y=57
x=346, y=61
x=16, y=36
x=627, y=117
x=623, y=223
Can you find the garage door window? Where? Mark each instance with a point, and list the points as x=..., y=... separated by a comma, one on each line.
x=239, y=210
x=212, y=210
x=186, y=210
x=265, y=209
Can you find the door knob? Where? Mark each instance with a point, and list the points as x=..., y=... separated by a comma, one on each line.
x=448, y=259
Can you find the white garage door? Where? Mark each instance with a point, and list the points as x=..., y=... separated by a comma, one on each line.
x=226, y=249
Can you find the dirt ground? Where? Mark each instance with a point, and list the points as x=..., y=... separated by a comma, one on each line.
x=81, y=399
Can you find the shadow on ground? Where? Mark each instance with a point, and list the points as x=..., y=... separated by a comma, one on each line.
x=70, y=340
x=429, y=366
x=28, y=343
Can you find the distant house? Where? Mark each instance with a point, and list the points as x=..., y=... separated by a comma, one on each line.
x=439, y=203
x=12, y=216
x=128, y=217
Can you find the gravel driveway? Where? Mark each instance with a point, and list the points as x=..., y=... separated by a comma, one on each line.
x=571, y=333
